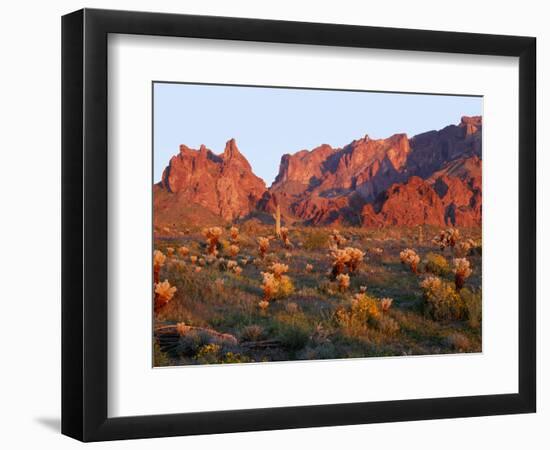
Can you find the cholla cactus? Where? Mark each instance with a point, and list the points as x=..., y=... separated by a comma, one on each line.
x=234, y=233
x=278, y=270
x=269, y=286
x=453, y=235
x=202, y=262
x=264, y=304
x=337, y=239
x=343, y=282
x=263, y=246
x=464, y=247
x=362, y=289
x=234, y=250
x=231, y=265
x=431, y=283
x=385, y=304
x=461, y=269
x=447, y=238
x=193, y=259
x=355, y=258
x=198, y=269
x=158, y=261
x=170, y=251
x=238, y=270
x=340, y=258
x=183, y=251
x=309, y=268
x=164, y=292
x=212, y=236
x=411, y=258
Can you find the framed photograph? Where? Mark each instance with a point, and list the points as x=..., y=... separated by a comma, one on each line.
x=273, y=224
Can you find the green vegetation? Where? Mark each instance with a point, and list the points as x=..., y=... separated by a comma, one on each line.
x=325, y=296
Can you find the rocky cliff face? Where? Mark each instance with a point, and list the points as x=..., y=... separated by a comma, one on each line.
x=223, y=184
x=432, y=178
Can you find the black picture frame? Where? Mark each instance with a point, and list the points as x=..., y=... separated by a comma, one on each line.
x=84, y=224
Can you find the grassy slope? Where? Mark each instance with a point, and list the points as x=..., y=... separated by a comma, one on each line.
x=304, y=322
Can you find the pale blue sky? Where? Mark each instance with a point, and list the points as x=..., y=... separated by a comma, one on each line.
x=269, y=122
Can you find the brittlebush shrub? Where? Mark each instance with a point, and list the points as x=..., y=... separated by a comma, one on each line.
x=437, y=264
x=363, y=311
x=441, y=300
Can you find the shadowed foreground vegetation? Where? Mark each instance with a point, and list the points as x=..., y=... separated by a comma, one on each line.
x=314, y=293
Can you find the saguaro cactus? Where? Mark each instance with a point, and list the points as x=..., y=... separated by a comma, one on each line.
x=277, y=217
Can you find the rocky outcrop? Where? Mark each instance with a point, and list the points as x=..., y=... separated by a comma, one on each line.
x=432, y=178
x=223, y=184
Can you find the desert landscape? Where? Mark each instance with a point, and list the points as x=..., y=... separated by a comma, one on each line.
x=367, y=250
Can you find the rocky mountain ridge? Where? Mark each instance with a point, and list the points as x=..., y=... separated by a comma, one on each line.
x=432, y=178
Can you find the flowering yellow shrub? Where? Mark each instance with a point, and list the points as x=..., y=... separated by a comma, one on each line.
x=410, y=258
x=363, y=311
x=437, y=264
x=441, y=301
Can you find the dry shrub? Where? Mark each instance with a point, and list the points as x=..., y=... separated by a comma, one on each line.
x=387, y=325
x=461, y=269
x=459, y=342
x=252, y=333
x=410, y=258
x=337, y=239
x=316, y=240
x=472, y=303
x=437, y=264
